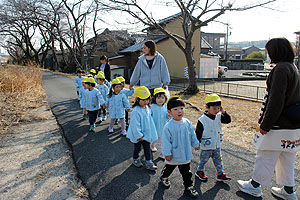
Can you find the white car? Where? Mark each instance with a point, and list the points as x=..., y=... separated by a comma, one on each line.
x=223, y=68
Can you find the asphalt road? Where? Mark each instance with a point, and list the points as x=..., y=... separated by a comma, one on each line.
x=104, y=160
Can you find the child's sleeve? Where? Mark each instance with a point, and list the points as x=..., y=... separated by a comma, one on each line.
x=100, y=98
x=194, y=140
x=75, y=82
x=225, y=118
x=125, y=102
x=135, y=125
x=199, y=130
x=166, y=142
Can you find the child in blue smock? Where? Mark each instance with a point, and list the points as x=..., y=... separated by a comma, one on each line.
x=160, y=117
x=81, y=96
x=100, y=78
x=93, y=101
x=117, y=103
x=128, y=93
x=141, y=131
x=77, y=81
x=177, y=138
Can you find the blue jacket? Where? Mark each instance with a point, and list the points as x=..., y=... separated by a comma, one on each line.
x=127, y=92
x=104, y=91
x=160, y=117
x=93, y=99
x=155, y=77
x=141, y=125
x=78, y=82
x=81, y=97
x=177, y=139
x=117, y=104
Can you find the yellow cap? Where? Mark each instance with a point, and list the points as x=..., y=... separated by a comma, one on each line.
x=211, y=98
x=173, y=97
x=159, y=90
x=84, y=79
x=115, y=82
x=121, y=79
x=142, y=92
x=100, y=76
x=90, y=80
x=93, y=71
x=101, y=72
x=90, y=75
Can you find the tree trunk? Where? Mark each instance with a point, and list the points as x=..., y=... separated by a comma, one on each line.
x=192, y=88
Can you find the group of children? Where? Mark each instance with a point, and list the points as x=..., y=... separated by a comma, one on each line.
x=158, y=124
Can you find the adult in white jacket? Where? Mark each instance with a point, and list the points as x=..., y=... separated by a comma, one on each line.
x=151, y=69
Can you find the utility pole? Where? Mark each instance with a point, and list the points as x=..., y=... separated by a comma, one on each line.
x=226, y=39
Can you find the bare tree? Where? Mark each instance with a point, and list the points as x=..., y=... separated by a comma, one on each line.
x=194, y=13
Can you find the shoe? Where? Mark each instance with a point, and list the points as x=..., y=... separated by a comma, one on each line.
x=165, y=182
x=110, y=130
x=124, y=132
x=201, y=175
x=137, y=163
x=92, y=127
x=191, y=192
x=104, y=117
x=247, y=187
x=223, y=177
x=280, y=192
x=151, y=166
x=153, y=149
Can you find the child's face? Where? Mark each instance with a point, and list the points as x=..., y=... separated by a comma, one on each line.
x=213, y=110
x=177, y=113
x=160, y=100
x=86, y=86
x=117, y=89
x=79, y=75
x=99, y=81
x=144, y=102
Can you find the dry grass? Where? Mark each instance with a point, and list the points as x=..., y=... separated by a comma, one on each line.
x=20, y=91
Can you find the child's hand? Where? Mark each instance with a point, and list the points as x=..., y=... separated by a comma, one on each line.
x=197, y=148
x=103, y=106
x=140, y=139
x=128, y=110
x=168, y=158
x=222, y=110
x=263, y=132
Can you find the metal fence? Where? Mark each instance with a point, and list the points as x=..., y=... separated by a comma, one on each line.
x=234, y=90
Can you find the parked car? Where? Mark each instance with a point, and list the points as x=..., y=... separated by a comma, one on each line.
x=221, y=71
x=223, y=68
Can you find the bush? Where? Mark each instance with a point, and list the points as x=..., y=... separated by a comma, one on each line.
x=256, y=55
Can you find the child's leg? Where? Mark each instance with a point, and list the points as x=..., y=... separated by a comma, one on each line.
x=126, y=117
x=147, y=150
x=99, y=112
x=122, y=120
x=84, y=111
x=204, y=157
x=137, y=149
x=285, y=169
x=91, y=115
x=217, y=159
x=104, y=112
x=111, y=124
x=264, y=166
x=186, y=175
x=167, y=170
x=95, y=114
x=153, y=144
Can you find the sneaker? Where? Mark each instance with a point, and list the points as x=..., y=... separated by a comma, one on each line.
x=151, y=166
x=223, y=177
x=92, y=127
x=201, y=175
x=280, y=192
x=124, y=132
x=110, y=130
x=165, y=182
x=247, y=187
x=137, y=163
x=104, y=117
x=191, y=192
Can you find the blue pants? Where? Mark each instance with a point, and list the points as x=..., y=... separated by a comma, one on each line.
x=92, y=116
x=215, y=155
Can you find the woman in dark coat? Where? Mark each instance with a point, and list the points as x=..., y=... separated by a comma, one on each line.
x=105, y=67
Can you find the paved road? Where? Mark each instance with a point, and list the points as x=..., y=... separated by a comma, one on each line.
x=104, y=160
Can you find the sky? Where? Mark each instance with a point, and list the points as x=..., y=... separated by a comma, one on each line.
x=251, y=25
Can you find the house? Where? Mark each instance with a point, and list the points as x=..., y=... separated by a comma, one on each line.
x=173, y=55
x=246, y=51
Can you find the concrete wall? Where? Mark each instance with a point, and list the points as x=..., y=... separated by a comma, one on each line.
x=243, y=64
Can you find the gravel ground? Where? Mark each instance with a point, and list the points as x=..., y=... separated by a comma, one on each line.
x=35, y=163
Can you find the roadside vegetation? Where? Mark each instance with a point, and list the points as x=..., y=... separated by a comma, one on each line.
x=20, y=92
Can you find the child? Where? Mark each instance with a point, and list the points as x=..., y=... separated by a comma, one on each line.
x=128, y=93
x=93, y=100
x=209, y=134
x=82, y=97
x=141, y=129
x=106, y=82
x=160, y=117
x=117, y=103
x=104, y=92
x=93, y=73
x=177, y=138
x=77, y=81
